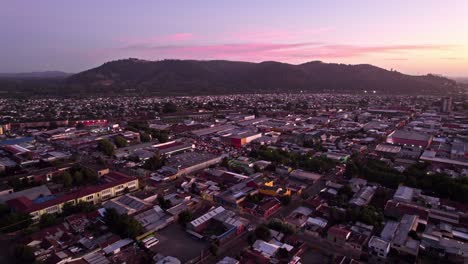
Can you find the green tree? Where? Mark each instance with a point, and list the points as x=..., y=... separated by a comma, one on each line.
x=120, y=142
x=214, y=249
x=225, y=162
x=251, y=238
x=262, y=232
x=78, y=178
x=163, y=203
x=80, y=126
x=106, y=147
x=12, y=221
x=285, y=200
x=145, y=137
x=169, y=107
x=23, y=254
x=81, y=207
x=185, y=217
x=67, y=179
x=283, y=253
x=47, y=220
x=154, y=163
x=123, y=225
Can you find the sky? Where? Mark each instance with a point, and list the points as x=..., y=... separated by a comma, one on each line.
x=411, y=36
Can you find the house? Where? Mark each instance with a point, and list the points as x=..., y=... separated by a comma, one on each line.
x=154, y=219
x=305, y=176
x=268, y=207
x=403, y=241
x=363, y=196
x=338, y=235
x=378, y=247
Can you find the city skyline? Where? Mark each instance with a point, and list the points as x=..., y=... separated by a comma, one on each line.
x=416, y=38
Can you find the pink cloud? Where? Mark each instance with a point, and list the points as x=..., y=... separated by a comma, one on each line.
x=290, y=52
x=172, y=38
x=347, y=51
x=276, y=35
x=178, y=37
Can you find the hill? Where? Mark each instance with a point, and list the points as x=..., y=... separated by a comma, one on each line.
x=191, y=77
x=39, y=75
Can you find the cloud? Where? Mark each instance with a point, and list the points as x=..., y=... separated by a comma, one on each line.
x=347, y=51
x=451, y=58
x=276, y=34
x=289, y=52
x=171, y=38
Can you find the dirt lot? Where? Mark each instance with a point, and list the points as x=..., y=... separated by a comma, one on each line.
x=312, y=256
x=174, y=241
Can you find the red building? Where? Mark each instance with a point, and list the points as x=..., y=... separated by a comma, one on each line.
x=409, y=138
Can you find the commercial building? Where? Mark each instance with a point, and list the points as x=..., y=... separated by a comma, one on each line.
x=409, y=138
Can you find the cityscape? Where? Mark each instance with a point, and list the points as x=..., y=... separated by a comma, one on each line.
x=181, y=150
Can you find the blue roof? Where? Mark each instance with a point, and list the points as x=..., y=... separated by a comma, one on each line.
x=43, y=199
x=16, y=141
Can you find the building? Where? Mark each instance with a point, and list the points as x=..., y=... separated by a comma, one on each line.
x=113, y=184
x=446, y=104
x=409, y=138
x=338, y=235
x=363, y=196
x=402, y=241
x=306, y=176
x=378, y=247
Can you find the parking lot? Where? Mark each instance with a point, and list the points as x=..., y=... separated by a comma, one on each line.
x=174, y=241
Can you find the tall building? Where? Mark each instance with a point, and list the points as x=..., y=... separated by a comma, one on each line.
x=447, y=104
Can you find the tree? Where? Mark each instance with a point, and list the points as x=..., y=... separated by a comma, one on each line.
x=169, y=107
x=283, y=253
x=225, y=162
x=106, y=147
x=161, y=135
x=123, y=225
x=120, y=142
x=47, y=220
x=185, y=217
x=285, y=200
x=154, y=163
x=24, y=254
x=80, y=126
x=81, y=207
x=281, y=227
x=251, y=238
x=214, y=249
x=12, y=221
x=78, y=177
x=262, y=232
x=163, y=203
x=145, y=137
x=67, y=179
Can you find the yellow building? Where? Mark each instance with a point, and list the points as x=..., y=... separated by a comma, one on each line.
x=116, y=184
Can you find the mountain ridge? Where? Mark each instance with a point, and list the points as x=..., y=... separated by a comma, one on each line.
x=222, y=76
x=35, y=74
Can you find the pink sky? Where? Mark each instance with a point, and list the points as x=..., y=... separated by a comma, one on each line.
x=416, y=37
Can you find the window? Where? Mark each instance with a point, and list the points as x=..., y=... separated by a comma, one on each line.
x=89, y=198
x=52, y=209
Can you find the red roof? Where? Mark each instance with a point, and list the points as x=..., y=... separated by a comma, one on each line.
x=399, y=209
x=269, y=204
x=20, y=203
x=339, y=232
